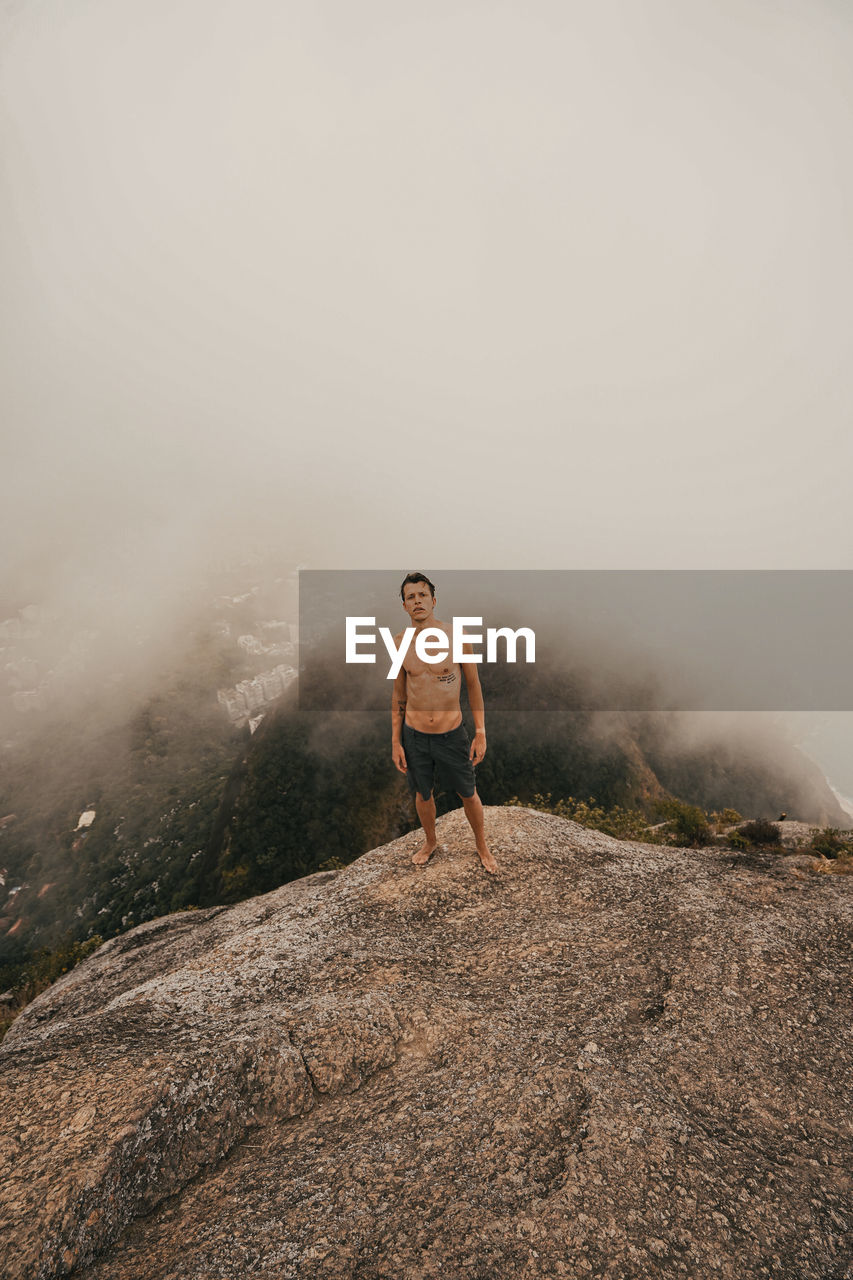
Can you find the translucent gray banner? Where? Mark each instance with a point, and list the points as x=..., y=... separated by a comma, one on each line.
x=713, y=640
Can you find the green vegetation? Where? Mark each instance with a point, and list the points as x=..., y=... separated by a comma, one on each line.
x=725, y=818
x=625, y=824
x=829, y=843
x=835, y=846
x=316, y=792
x=760, y=832
x=687, y=825
x=157, y=775
x=191, y=812
x=684, y=824
x=24, y=981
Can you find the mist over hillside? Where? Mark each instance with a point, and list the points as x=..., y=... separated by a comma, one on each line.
x=128, y=798
x=438, y=285
x=141, y=727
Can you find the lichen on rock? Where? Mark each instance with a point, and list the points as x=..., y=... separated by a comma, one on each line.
x=611, y=1059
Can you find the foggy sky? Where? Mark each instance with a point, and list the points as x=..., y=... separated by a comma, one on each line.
x=555, y=286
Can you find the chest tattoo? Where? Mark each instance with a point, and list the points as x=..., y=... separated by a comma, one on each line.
x=450, y=678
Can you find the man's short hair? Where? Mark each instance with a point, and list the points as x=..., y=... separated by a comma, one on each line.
x=416, y=576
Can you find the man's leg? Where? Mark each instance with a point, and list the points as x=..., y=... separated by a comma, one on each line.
x=474, y=813
x=426, y=813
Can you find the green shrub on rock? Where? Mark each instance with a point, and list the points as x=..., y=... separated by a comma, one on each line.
x=625, y=824
x=830, y=842
x=687, y=824
x=761, y=832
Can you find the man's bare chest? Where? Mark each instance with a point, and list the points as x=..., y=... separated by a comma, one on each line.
x=420, y=674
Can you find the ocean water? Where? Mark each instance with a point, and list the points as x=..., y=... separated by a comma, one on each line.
x=845, y=801
x=826, y=737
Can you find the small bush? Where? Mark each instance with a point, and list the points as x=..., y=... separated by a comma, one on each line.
x=624, y=824
x=726, y=818
x=830, y=843
x=687, y=824
x=761, y=832
x=29, y=978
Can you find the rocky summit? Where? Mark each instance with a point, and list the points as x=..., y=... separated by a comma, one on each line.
x=610, y=1059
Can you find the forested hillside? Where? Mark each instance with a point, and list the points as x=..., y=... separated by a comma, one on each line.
x=190, y=811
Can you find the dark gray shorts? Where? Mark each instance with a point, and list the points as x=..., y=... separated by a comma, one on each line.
x=448, y=751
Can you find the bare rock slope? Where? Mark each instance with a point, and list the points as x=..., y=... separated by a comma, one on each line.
x=611, y=1059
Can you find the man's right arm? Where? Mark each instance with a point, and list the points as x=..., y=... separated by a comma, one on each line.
x=398, y=716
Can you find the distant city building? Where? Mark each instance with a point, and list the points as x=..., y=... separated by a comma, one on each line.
x=252, y=691
x=233, y=702
x=87, y=817
x=251, y=695
x=250, y=644
x=254, y=645
x=271, y=685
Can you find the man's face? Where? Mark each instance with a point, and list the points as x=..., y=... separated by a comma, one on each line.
x=418, y=601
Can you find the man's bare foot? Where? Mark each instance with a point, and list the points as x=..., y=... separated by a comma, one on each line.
x=424, y=853
x=487, y=859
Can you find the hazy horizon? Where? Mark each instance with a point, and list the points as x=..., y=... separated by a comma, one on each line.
x=567, y=287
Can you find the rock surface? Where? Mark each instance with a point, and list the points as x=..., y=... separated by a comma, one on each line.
x=611, y=1059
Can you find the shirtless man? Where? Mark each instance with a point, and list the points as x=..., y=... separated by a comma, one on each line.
x=427, y=728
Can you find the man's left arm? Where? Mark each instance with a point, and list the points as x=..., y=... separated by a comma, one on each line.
x=478, y=711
